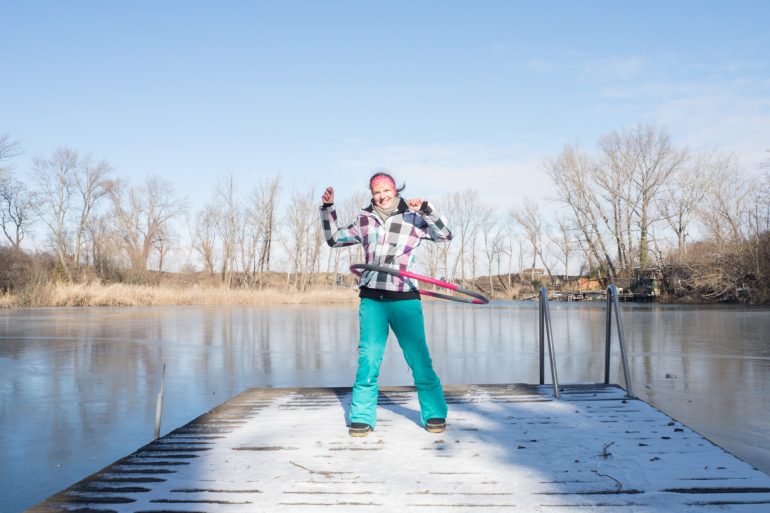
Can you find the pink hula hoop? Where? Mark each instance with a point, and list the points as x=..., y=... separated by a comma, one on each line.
x=477, y=299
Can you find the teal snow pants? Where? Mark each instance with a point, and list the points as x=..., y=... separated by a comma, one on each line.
x=405, y=318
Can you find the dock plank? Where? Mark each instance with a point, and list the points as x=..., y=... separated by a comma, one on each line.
x=507, y=448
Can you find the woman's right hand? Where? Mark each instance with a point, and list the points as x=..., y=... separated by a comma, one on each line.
x=328, y=195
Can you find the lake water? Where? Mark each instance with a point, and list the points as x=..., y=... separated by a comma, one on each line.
x=78, y=386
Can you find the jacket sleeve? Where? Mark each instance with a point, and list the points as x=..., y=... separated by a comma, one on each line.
x=436, y=224
x=335, y=236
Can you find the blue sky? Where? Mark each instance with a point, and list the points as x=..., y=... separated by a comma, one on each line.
x=448, y=95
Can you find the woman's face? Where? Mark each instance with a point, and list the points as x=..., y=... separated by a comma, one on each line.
x=383, y=193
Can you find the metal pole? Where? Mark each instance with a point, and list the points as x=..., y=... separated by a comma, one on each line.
x=159, y=404
x=608, y=336
x=552, y=356
x=623, y=356
x=541, y=321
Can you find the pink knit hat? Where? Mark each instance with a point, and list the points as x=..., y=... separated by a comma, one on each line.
x=380, y=179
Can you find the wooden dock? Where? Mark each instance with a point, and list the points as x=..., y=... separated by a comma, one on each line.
x=507, y=448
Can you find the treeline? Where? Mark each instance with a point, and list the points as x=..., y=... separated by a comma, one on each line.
x=639, y=201
x=635, y=202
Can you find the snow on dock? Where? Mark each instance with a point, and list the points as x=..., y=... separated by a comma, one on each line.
x=506, y=448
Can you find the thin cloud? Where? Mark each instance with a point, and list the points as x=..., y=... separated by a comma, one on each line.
x=617, y=93
x=732, y=122
x=540, y=65
x=616, y=68
x=502, y=176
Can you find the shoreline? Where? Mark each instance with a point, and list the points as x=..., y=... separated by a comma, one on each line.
x=121, y=294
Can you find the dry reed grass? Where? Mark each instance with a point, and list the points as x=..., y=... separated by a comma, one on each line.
x=120, y=294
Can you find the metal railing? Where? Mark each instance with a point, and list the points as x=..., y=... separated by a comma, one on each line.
x=546, y=333
x=613, y=302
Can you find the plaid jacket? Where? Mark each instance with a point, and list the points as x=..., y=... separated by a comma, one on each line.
x=387, y=244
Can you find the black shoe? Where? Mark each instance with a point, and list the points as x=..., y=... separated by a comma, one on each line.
x=435, y=425
x=359, y=429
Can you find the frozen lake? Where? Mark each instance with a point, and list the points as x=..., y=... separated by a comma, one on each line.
x=79, y=386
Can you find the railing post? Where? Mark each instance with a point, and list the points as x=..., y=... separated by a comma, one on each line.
x=612, y=301
x=159, y=404
x=547, y=332
x=608, y=337
x=622, y=339
x=541, y=324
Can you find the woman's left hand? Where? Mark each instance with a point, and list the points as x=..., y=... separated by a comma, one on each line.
x=414, y=204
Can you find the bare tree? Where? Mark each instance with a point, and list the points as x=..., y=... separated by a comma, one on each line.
x=500, y=248
x=465, y=224
x=204, y=237
x=262, y=209
x=54, y=178
x=102, y=243
x=8, y=150
x=142, y=215
x=17, y=209
x=618, y=195
x=725, y=205
x=614, y=177
x=315, y=241
x=564, y=240
x=654, y=158
x=766, y=163
x=490, y=239
x=90, y=183
x=226, y=205
x=763, y=203
x=436, y=257
x=506, y=239
x=530, y=220
x=304, y=237
x=163, y=244
x=248, y=242
x=764, y=212
x=571, y=173
x=681, y=196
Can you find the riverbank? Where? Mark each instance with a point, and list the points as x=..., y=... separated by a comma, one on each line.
x=167, y=293
x=122, y=294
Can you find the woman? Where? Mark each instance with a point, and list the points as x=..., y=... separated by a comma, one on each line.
x=389, y=229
